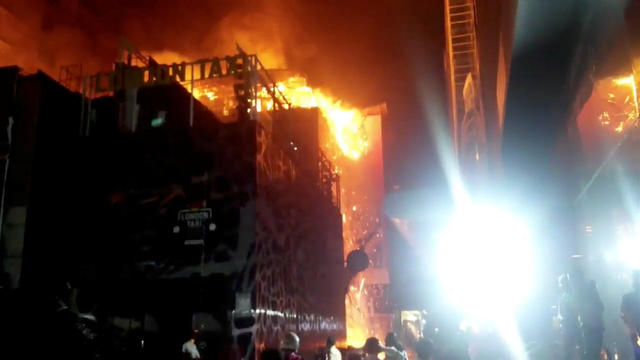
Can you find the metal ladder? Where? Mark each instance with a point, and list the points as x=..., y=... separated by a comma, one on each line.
x=462, y=54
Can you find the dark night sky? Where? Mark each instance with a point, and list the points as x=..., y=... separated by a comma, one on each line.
x=383, y=53
x=364, y=53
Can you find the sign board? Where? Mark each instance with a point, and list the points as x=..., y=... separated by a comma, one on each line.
x=195, y=224
x=131, y=77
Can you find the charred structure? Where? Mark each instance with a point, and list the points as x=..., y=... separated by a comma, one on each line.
x=177, y=220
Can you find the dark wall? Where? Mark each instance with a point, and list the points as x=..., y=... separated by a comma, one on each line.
x=8, y=88
x=47, y=125
x=296, y=132
x=102, y=210
x=300, y=266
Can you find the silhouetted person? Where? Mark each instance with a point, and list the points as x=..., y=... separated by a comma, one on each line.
x=332, y=351
x=448, y=342
x=391, y=341
x=290, y=346
x=270, y=354
x=372, y=348
x=424, y=349
x=569, y=322
x=630, y=313
x=590, y=311
x=190, y=349
x=354, y=353
x=88, y=331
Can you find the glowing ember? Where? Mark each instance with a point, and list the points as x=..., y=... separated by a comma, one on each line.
x=632, y=99
x=610, y=112
x=200, y=92
x=629, y=81
x=619, y=103
x=361, y=198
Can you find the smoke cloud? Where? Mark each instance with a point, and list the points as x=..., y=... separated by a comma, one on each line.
x=362, y=53
x=36, y=34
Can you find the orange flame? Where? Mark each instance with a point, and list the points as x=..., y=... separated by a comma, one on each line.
x=622, y=99
x=345, y=123
x=630, y=81
x=348, y=143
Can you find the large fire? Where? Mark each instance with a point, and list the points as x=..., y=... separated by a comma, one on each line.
x=351, y=139
x=611, y=111
x=352, y=142
x=345, y=123
x=349, y=147
x=623, y=100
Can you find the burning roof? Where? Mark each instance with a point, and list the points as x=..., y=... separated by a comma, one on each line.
x=38, y=34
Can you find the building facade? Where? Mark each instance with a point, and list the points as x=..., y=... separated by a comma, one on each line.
x=175, y=220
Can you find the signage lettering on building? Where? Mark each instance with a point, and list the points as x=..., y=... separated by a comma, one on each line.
x=194, y=225
x=130, y=77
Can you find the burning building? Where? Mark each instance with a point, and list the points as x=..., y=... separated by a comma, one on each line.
x=207, y=188
x=350, y=139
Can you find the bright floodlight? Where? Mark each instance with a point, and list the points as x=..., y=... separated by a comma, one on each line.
x=485, y=261
x=629, y=248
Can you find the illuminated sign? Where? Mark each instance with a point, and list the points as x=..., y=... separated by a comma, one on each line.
x=195, y=224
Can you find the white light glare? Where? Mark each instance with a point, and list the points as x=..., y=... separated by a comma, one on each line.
x=485, y=261
x=628, y=250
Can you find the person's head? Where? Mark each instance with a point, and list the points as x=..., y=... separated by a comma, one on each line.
x=331, y=341
x=392, y=340
x=371, y=346
x=270, y=354
x=635, y=277
x=424, y=349
x=195, y=335
x=290, y=342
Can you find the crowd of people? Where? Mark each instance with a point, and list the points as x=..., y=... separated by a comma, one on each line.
x=290, y=345
x=79, y=330
x=580, y=313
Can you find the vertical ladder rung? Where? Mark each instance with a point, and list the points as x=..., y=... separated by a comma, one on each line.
x=454, y=4
x=461, y=35
x=458, y=6
x=461, y=13
x=466, y=43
